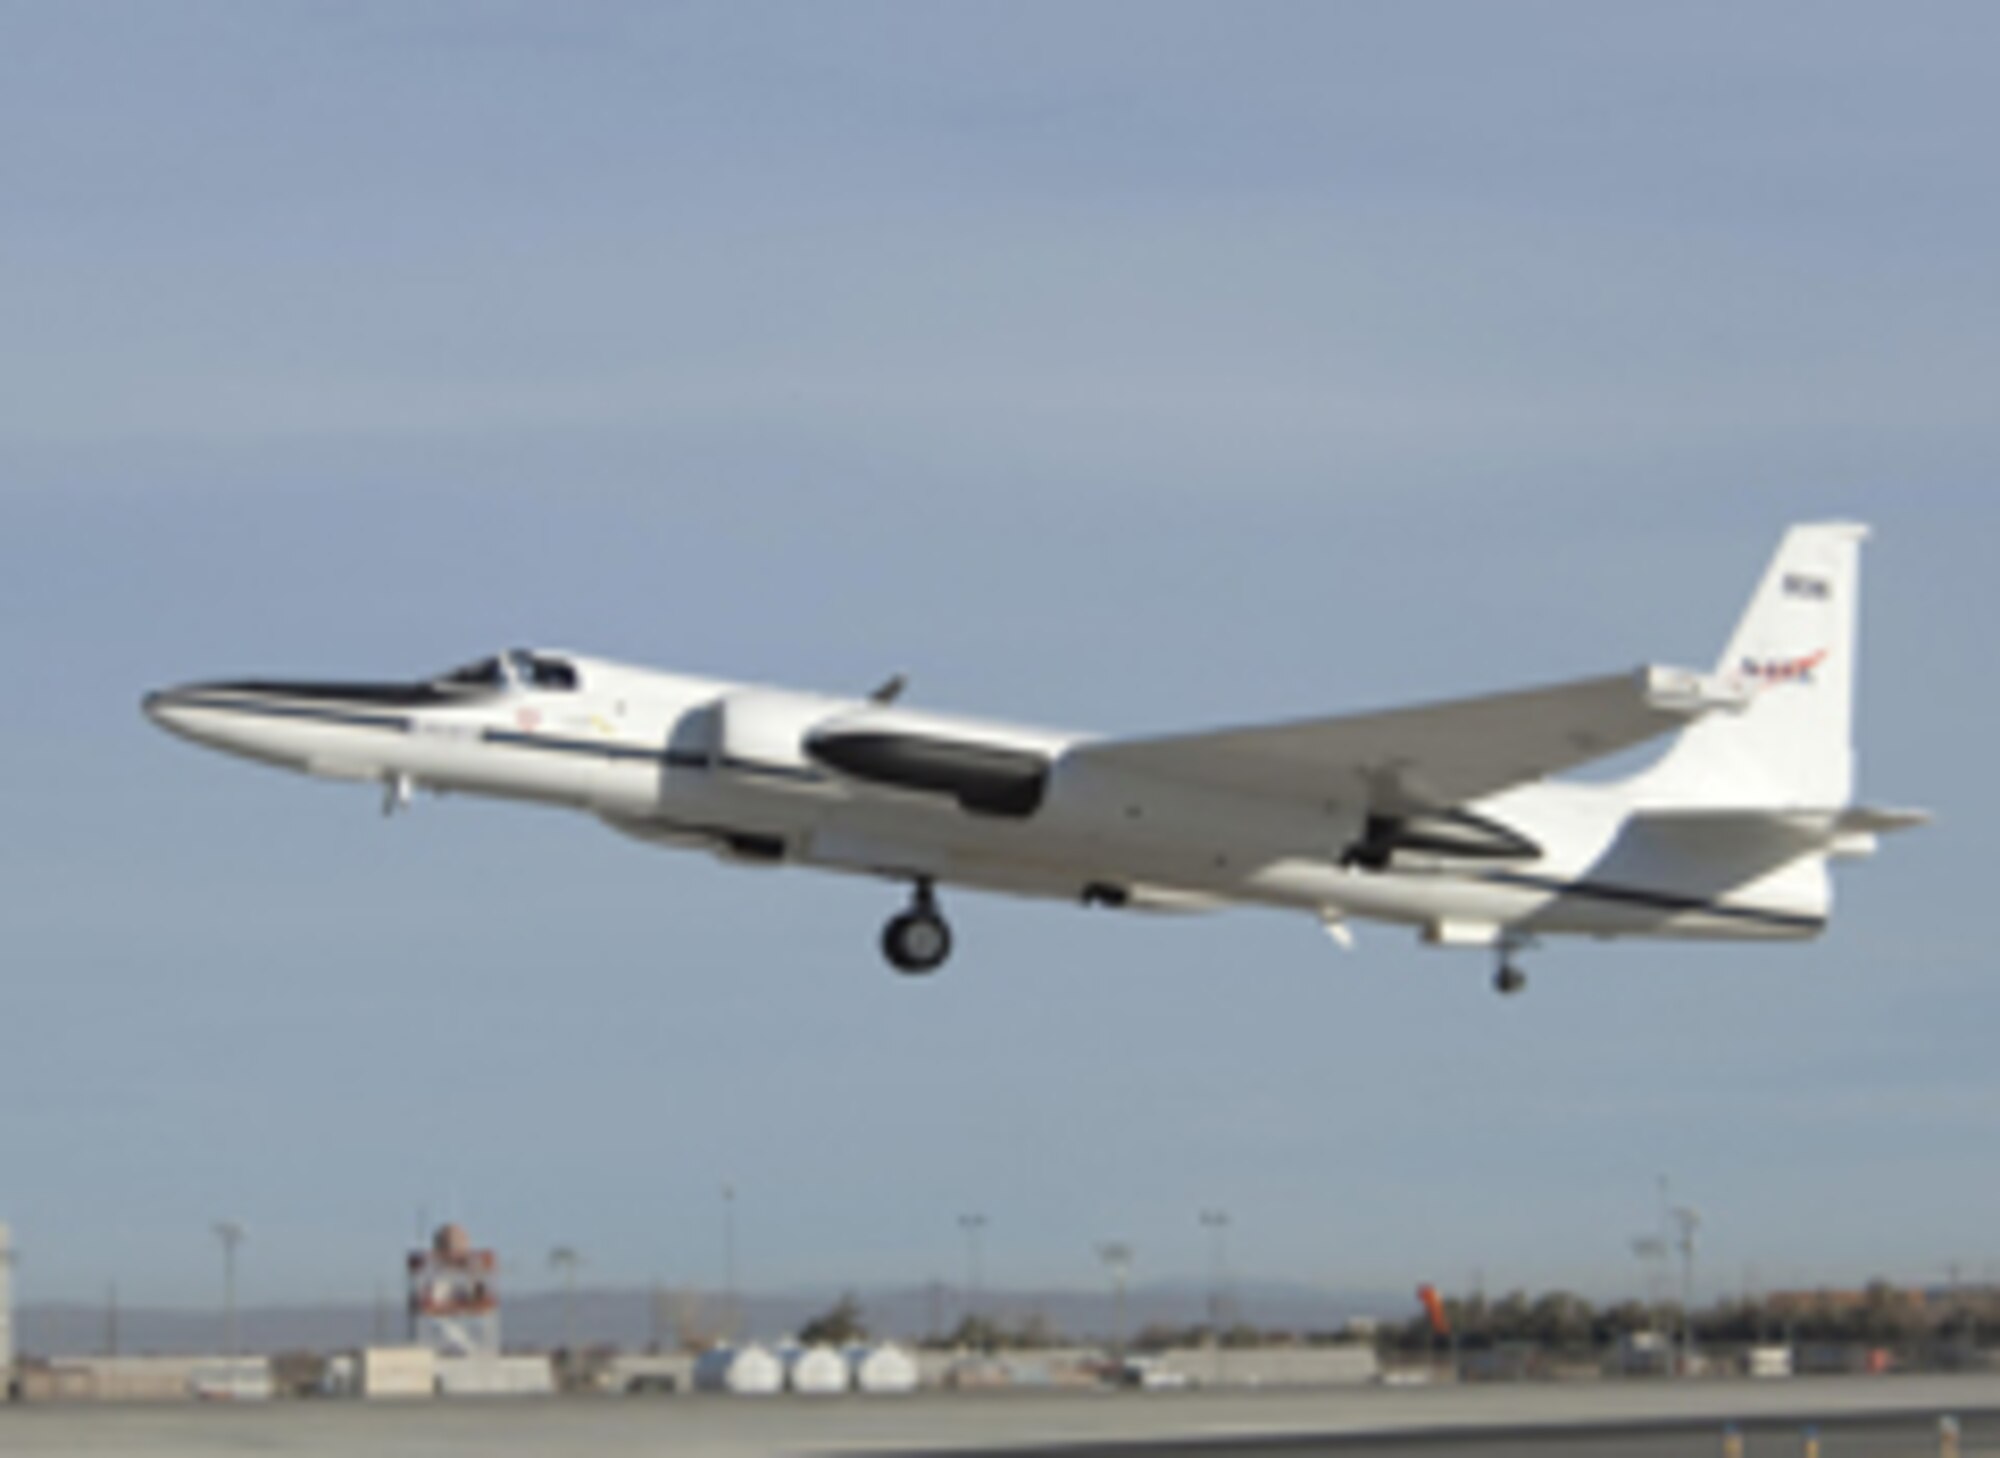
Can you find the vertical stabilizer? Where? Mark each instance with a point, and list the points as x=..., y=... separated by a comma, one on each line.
x=1794, y=651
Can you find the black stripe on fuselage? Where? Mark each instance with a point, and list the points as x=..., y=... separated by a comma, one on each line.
x=696, y=759
x=359, y=718
x=755, y=768
x=385, y=695
x=1657, y=900
x=240, y=700
x=671, y=758
x=552, y=744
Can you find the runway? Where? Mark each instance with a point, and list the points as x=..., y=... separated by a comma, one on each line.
x=1871, y=1418
x=1842, y=1438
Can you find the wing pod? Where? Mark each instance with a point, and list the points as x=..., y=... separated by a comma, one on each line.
x=1456, y=833
x=988, y=779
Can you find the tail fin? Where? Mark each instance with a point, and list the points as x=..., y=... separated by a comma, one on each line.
x=1794, y=651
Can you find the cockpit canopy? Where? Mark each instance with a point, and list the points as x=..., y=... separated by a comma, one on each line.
x=517, y=668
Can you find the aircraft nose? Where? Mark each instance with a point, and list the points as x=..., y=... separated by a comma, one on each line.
x=164, y=707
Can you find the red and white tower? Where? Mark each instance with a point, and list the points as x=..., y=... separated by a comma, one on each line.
x=454, y=1298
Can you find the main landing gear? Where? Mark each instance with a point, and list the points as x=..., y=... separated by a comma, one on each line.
x=1507, y=978
x=918, y=940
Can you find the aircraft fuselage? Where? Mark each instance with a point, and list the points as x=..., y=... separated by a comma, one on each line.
x=775, y=776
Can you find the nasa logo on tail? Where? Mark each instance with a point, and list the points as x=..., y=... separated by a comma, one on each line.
x=1773, y=671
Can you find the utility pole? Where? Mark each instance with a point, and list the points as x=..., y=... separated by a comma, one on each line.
x=1957, y=1316
x=1216, y=1223
x=974, y=1225
x=232, y=1234
x=566, y=1258
x=111, y=1319
x=732, y=1313
x=1666, y=1245
x=1652, y=1255
x=1666, y=1214
x=1117, y=1258
x=1688, y=1220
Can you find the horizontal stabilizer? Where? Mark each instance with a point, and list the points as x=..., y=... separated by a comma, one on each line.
x=1851, y=829
x=1874, y=820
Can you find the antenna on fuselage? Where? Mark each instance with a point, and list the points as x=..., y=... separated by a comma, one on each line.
x=890, y=691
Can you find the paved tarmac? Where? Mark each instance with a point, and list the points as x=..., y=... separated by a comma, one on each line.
x=1842, y=1438
x=1860, y=1418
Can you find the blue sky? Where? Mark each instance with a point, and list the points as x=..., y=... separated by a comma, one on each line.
x=1119, y=366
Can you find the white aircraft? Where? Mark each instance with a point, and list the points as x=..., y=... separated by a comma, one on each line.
x=1441, y=817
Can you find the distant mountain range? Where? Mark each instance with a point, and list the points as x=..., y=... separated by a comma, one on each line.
x=634, y=1318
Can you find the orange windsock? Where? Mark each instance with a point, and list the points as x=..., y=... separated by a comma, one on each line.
x=1434, y=1308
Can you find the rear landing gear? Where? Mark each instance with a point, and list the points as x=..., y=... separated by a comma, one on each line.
x=918, y=940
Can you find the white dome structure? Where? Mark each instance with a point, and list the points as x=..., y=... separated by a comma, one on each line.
x=747, y=1371
x=815, y=1370
x=884, y=1368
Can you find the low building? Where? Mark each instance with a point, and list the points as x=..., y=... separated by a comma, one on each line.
x=495, y=1376
x=232, y=1379
x=638, y=1372
x=1024, y=1367
x=146, y=1379
x=1343, y=1365
x=1643, y=1354
x=1767, y=1362
x=388, y=1372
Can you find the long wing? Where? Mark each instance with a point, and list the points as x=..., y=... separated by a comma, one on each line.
x=1434, y=756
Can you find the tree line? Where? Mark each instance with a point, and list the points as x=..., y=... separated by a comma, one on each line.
x=1879, y=1314
x=1562, y=1322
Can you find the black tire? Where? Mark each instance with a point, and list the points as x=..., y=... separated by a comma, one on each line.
x=916, y=942
x=1509, y=980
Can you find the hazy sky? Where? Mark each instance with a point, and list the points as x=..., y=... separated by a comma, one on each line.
x=1124, y=366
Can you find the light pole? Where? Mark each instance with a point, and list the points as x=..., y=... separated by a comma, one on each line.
x=232, y=1234
x=1666, y=1244
x=1117, y=1258
x=729, y=1305
x=566, y=1258
x=1666, y=1221
x=1216, y=1223
x=1687, y=1220
x=973, y=1224
x=1652, y=1254
x=1957, y=1316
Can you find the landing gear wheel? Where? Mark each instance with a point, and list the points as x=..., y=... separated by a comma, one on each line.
x=918, y=940
x=1509, y=980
